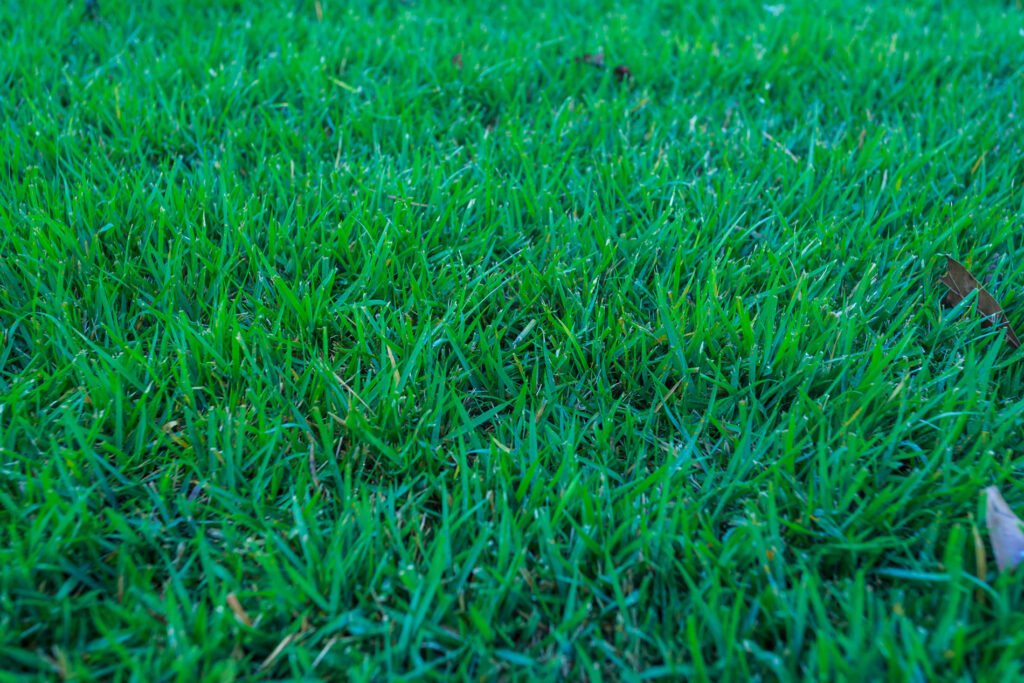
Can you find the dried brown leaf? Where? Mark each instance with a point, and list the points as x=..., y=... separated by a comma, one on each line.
x=596, y=59
x=1004, y=530
x=994, y=314
x=961, y=283
x=959, y=280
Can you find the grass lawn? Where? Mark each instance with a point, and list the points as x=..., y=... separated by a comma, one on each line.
x=399, y=340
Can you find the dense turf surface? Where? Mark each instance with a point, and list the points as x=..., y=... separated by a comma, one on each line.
x=388, y=337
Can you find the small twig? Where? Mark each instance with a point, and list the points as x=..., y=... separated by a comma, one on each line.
x=728, y=118
x=977, y=163
x=312, y=463
x=277, y=651
x=352, y=391
x=238, y=610
x=781, y=146
x=671, y=391
x=324, y=651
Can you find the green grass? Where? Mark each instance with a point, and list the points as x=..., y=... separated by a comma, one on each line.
x=509, y=371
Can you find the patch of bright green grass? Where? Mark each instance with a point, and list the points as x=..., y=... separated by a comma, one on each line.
x=512, y=370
